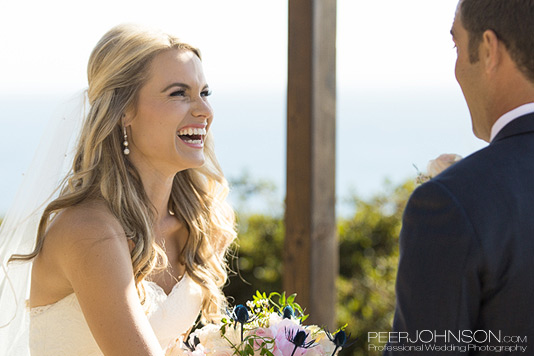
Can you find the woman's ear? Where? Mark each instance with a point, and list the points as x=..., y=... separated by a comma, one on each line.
x=127, y=117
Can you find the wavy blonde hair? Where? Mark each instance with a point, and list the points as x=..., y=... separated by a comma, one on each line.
x=118, y=67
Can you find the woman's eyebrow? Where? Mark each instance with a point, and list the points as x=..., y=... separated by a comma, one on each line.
x=181, y=85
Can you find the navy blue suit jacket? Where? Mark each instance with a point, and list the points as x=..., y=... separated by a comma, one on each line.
x=467, y=253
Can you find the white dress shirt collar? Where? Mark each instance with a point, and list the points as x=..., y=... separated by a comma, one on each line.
x=509, y=117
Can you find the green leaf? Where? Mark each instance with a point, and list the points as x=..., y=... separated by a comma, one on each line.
x=291, y=298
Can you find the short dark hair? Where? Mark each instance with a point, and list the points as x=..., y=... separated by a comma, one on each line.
x=513, y=23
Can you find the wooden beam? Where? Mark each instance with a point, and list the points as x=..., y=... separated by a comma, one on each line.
x=311, y=249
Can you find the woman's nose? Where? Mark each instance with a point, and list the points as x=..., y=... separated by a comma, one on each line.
x=202, y=108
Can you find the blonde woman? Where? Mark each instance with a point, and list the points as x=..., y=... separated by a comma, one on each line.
x=133, y=248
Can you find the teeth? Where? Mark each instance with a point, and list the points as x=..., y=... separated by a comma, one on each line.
x=192, y=131
x=194, y=142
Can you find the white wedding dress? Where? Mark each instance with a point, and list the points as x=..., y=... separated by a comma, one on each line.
x=60, y=329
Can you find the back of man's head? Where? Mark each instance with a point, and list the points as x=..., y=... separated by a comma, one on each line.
x=513, y=23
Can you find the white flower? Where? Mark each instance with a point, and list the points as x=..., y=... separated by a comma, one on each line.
x=444, y=161
x=325, y=346
x=210, y=331
x=177, y=348
x=214, y=343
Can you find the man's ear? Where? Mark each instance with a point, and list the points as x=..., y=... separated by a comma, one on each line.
x=491, y=51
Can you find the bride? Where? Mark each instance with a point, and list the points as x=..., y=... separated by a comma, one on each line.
x=133, y=248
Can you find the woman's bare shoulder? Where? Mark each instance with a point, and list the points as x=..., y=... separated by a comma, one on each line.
x=79, y=227
x=80, y=239
x=95, y=260
x=90, y=220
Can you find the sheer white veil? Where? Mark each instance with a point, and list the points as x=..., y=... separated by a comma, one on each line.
x=18, y=232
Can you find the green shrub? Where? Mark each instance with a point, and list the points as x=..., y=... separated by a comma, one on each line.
x=368, y=264
x=261, y=239
x=368, y=247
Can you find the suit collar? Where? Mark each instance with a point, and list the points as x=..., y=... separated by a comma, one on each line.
x=510, y=116
x=522, y=124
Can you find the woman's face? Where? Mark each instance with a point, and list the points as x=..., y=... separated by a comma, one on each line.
x=168, y=128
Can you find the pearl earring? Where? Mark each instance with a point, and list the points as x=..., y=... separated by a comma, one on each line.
x=125, y=142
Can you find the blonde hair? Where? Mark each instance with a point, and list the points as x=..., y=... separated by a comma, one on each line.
x=118, y=67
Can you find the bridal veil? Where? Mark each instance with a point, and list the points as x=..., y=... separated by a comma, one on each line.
x=51, y=163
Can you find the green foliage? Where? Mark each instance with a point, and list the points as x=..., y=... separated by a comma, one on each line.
x=368, y=264
x=261, y=240
x=368, y=247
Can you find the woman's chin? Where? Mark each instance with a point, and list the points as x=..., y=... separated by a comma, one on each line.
x=190, y=156
x=192, y=162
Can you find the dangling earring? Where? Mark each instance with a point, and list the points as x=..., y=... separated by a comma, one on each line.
x=125, y=142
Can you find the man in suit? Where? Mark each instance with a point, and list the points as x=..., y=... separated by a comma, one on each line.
x=465, y=281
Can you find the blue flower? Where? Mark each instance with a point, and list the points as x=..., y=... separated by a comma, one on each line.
x=339, y=339
x=288, y=312
x=299, y=339
x=240, y=315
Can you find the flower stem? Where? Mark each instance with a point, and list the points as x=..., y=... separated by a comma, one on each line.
x=295, y=349
x=333, y=353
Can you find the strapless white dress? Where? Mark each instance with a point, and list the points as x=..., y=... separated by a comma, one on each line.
x=60, y=329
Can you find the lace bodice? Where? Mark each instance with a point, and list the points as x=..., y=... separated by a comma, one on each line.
x=60, y=328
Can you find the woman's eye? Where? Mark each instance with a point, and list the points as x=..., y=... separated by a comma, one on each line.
x=178, y=93
x=206, y=93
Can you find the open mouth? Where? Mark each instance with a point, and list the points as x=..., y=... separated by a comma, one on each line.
x=192, y=136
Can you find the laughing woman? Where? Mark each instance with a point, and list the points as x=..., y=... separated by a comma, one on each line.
x=133, y=249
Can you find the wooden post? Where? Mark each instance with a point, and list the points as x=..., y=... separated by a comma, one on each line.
x=311, y=250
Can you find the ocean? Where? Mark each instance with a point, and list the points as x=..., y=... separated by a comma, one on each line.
x=381, y=135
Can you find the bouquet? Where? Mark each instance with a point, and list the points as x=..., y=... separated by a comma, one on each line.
x=262, y=327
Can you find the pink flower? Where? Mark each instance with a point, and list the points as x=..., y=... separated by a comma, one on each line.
x=283, y=345
x=276, y=323
x=444, y=161
x=263, y=333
